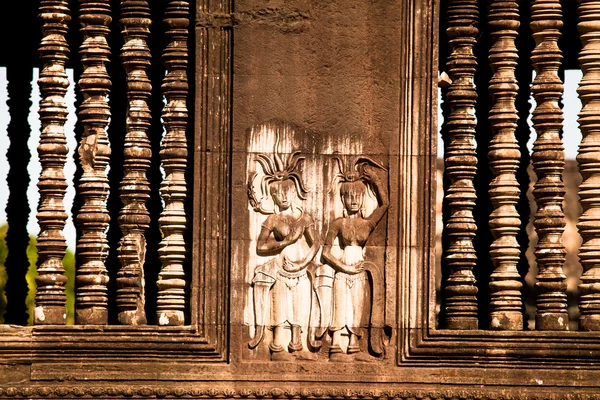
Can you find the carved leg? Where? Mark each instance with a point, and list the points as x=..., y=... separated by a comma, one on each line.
x=324, y=300
x=354, y=349
x=376, y=340
x=377, y=309
x=353, y=346
x=335, y=351
x=296, y=342
x=278, y=352
x=261, y=297
x=296, y=345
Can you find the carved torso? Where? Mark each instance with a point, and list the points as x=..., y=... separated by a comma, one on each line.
x=354, y=231
x=282, y=225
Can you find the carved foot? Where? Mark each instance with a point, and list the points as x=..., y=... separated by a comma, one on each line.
x=296, y=342
x=306, y=355
x=314, y=339
x=295, y=347
x=278, y=353
x=362, y=357
x=281, y=356
x=340, y=357
x=353, y=348
x=336, y=355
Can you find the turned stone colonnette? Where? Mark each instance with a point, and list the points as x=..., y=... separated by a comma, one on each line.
x=94, y=154
x=174, y=153
x=504, y=155
x=588, y=158
x=91, y=300
x=548, y=159
x=460, y=166
x=50, y=298
x=134, y=217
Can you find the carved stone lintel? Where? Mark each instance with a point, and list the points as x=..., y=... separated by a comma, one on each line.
x=50, y=298
x=588, y=158
x=134, y=218
x=94, y=154
x=460, y=166
x=173, y=221
x=548, y=163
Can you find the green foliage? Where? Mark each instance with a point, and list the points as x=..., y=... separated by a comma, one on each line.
x=68, y=262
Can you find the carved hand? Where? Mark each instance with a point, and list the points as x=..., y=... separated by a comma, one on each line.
x=295, y=234
x=291, y=266
x=353, y=269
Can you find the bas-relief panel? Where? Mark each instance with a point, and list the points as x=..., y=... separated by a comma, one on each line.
x=315, y=276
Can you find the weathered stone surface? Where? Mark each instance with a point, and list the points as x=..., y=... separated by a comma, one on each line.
x=340, y=234
x=548, y=162
x=504, y=155
x=174, y=153
x=587, y=157
x=460, y=167
x=50, y=307
x=134, y=218
x=328, y=71
x=94, y=156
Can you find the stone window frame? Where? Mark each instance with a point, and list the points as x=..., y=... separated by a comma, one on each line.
x=426, y=356
x=205, y=338
x=421, y=341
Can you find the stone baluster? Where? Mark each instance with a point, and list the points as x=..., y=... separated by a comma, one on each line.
x=548, y=163
x=588, y=159
x=460, y=166
x=172, y=249
x=504, y=154
x=94, y=154
x=134, y=218
x=50, y=298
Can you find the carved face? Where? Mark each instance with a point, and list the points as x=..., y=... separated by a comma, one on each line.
x=353, y=195
x=283, y=193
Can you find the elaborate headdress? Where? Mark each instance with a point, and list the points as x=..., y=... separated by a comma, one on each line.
x=354, y=172
x=353, y=176
x=276, y=169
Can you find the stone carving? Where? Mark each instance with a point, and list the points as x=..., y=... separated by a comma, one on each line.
x=548, y=163
x=588, y=158
x=288, y=234
x=304, y=298
x=91, y=307
x=134, y=218
x=460, y=166
x=170, y=305
x=290, y=391
x=504, y=155
x=50, y=297
x=344, y=278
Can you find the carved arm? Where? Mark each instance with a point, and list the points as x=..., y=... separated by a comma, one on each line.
x=381, y=192
x=335, y=262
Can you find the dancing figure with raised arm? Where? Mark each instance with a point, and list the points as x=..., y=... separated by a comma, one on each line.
x=350, y=285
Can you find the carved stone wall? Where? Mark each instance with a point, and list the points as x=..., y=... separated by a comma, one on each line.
x=309, y=130
x=320, y=79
